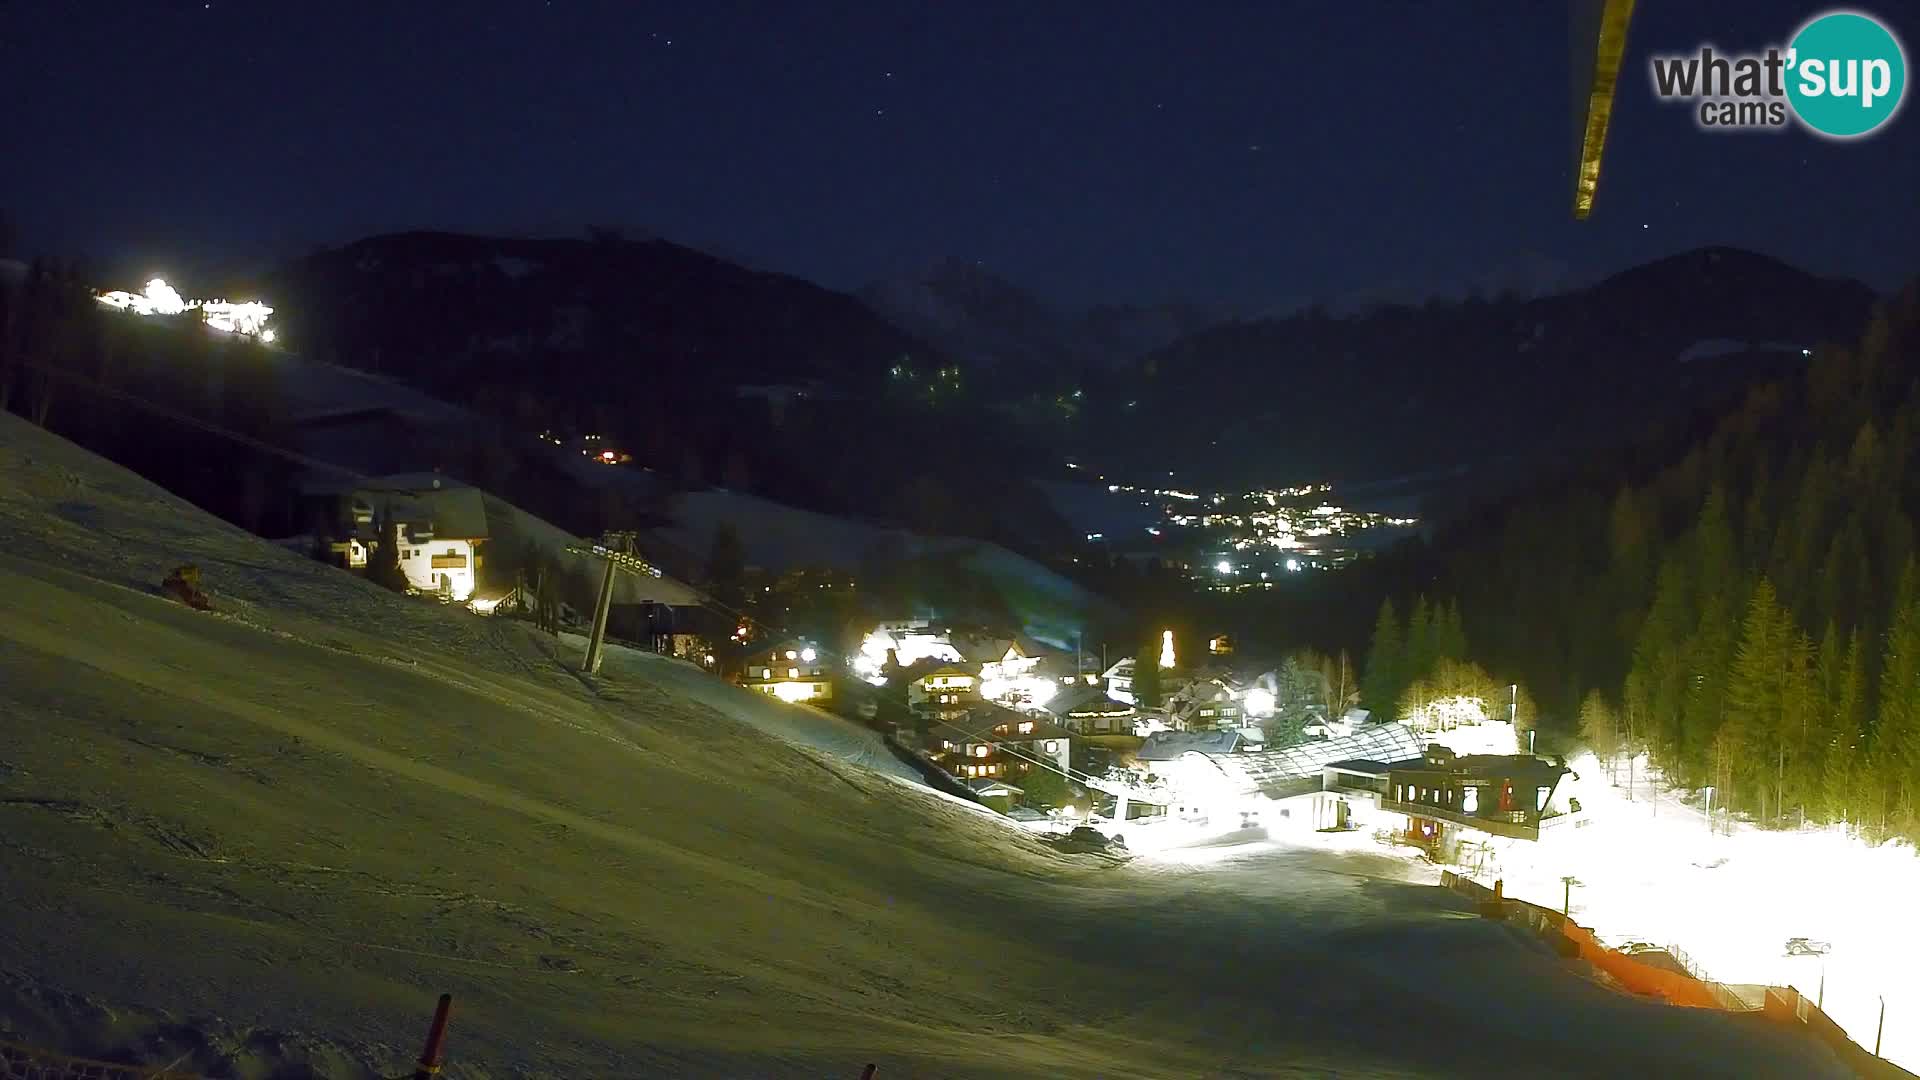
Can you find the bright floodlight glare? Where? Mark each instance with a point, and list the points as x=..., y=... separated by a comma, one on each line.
x=807, y=654
x=1223, y=566
x=1293, y=564
x=1260, y=702
x=268, y=336
x=788, y=691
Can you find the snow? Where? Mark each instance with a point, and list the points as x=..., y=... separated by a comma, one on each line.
x=267, y=836
x=1652, y=872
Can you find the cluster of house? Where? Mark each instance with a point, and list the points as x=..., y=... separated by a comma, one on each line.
x=1385, y=776
x=441, y=527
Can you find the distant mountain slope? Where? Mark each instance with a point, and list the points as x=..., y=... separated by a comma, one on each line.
x=464, y=308
x=1400, y=389
x=1043, y=603
x=981, y=318
x=705, y=371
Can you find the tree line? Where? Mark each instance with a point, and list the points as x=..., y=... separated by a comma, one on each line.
x=1736, y=596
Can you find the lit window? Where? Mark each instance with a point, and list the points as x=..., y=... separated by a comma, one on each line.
x=791, y=655
x=982, y=750
x=766, y=673
x=1053, y=746
x=1470, y=800
x=793, y=673
x=1026, y=727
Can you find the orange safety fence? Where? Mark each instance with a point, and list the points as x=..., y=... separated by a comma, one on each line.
x=1671, y=986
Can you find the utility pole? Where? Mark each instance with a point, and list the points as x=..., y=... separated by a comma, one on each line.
x=602, y=608
x=618, y=549
x=1566, y=901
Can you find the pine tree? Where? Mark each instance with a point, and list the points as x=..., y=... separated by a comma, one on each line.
x=1658, y=671
x=1450, y=635
x=1146, y=674
x=1380, y=684
x=1846, y=742
x=1754, y=696
x=383, y=568
x=1421, y=651
x=1896, y=736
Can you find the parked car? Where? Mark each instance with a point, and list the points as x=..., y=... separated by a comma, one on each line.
x=1799, y=946
x=1083, y=840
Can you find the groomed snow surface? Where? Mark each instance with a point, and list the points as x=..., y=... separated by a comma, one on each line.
x=1653, y=872
x=262, y=839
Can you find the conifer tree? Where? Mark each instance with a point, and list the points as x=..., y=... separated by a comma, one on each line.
x=1380, y=683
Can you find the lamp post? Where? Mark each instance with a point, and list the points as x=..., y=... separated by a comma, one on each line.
x=1566, y=901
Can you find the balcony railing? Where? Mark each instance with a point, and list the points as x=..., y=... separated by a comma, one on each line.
x=1520, y=829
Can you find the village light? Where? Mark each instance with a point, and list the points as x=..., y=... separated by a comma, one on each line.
x=1260, y=702
x=1292, y=564
x=1166, y=648
x=268, y=336
x=807, y=654
x=1223, y=567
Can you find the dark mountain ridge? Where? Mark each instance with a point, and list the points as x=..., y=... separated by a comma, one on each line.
x=1466, y=386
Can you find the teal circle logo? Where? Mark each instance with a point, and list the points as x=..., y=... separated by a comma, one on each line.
x=1846, y=75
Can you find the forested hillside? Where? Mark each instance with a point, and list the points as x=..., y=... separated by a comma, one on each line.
x=1742, y=600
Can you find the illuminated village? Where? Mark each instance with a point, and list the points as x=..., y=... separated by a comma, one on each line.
x=159, y=298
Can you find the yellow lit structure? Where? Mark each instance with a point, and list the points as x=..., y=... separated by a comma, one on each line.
x=1605, y=32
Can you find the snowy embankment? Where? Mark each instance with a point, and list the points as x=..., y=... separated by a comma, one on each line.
x=1649, y=870
x=265, y=837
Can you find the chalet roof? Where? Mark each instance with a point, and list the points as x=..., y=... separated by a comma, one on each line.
x=1169, y=745
x=990, y=787
x=1524, y=767
x=455, y=513
x=1086, y=700
x=981, y=650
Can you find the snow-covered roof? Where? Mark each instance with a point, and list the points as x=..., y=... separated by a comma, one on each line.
x=1089, y=700
x=1169, y=745
x=994, y=787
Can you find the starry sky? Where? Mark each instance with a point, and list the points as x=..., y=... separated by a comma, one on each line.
x=1248, y=155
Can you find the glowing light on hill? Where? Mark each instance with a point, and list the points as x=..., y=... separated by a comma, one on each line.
x=160, y=298
x=1166, y=648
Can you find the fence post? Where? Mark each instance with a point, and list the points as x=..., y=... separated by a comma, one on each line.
x=429, y=1065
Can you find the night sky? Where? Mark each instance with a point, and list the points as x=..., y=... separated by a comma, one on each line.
x=1245, y=154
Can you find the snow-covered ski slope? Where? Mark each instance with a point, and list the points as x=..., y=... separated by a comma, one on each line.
x=268, y=836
